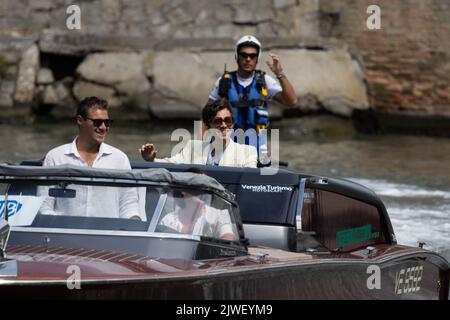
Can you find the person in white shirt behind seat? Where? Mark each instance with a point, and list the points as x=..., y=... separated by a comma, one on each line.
x=88, y=149
x=194, y=215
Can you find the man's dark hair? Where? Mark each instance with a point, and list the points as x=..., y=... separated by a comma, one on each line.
x=210, y=110
x=90, y=103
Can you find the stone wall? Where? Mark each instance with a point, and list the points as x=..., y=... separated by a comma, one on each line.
x=162, y=19
x=161, y=56
x=408, y=60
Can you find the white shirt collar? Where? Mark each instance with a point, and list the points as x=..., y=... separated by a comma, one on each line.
x=104, y=149
x=245, y=79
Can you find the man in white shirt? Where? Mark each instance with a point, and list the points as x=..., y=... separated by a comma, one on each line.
x=218, y=117
x=88, y=149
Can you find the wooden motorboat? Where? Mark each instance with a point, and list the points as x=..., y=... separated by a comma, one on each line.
x=293, y=236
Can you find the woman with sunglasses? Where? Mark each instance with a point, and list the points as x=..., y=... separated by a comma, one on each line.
x=217, y=148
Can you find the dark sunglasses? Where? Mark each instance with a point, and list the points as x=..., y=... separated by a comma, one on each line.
x=217, y=122
x=98, y=122
x=244, y=55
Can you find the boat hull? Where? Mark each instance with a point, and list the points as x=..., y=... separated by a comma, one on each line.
x=400, y=277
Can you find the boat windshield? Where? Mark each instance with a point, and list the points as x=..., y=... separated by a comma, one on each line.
x=124, y=207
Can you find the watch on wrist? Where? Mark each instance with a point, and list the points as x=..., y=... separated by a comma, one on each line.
x=281, y=75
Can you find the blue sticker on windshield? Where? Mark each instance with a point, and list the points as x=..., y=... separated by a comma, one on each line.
x=13, y=207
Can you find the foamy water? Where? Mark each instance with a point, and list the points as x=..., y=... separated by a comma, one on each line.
x=390, y=189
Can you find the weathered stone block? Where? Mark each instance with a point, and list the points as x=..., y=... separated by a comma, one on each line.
x=253, y=12
x=163, y=30
x=180, y=16
x=133, y=86
x=308, y=6
x=111, y=68
x=284, y=3
x=308, y=103
x=15, y=8
x=121, y=72
x=331, y=76
x=239, y=31
x=266, y=29
x=184, y=32
x=110, y=10
x=203, y=32
x=93, y=18
x=45, y=76
x=223, y=31
x=10, y=73
x=10, y=56
x=43, y=5
x=28, y=68
x=61, y=91
x=6, y=94
x=243, y=16
x=39, y=20
x=165, y=108
x=308, y=25
x=194, y=75
x=49, y=96
x=147, y=62
x=58, y=18
x=133, y=11
x=83, y=89
x=223, y=14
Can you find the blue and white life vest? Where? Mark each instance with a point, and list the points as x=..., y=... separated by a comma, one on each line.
x=249, y=104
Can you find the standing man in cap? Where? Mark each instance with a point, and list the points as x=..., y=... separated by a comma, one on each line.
x=249, y=90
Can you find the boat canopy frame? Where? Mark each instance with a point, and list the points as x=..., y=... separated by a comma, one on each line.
x=232, y=178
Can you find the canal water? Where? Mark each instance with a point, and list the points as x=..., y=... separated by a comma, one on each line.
x=411, y=174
